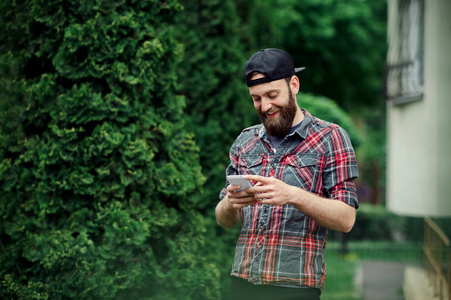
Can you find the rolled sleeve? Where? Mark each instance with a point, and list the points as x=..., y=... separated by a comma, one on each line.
x=341, y=168
x=345, y=192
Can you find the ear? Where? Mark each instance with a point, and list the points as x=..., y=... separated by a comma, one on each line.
x=295, y=85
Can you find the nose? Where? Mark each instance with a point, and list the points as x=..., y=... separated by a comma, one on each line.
x=265, y=105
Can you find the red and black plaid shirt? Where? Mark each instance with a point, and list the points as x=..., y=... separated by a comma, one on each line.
x=279, y=244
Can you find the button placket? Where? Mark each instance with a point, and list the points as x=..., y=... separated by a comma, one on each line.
x=260, y=241
x=255, y=271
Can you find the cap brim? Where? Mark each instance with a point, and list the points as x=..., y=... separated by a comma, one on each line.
x=298, y=69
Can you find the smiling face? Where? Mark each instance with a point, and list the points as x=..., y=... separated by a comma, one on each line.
x=276, y=104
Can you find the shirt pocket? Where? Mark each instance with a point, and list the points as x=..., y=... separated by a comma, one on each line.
x=300, y=170
x=250, y=164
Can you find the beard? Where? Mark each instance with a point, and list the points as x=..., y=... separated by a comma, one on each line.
x=280, y=125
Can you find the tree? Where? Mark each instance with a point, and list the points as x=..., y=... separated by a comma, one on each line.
x=97, y=172
x=342, y=44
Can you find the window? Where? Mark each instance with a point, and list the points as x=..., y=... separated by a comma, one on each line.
x=404, y=78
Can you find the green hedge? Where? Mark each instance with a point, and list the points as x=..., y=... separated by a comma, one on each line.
x=97, y=173
x=376, y=223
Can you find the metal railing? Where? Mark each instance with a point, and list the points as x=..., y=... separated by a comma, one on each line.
x=437, y=251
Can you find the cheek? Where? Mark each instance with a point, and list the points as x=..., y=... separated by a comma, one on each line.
x=257, y=105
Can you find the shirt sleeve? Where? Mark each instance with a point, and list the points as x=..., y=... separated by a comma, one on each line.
x=341, y=168
x=346, y=192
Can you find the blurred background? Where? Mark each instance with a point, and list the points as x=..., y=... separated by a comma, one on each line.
x=116, y=118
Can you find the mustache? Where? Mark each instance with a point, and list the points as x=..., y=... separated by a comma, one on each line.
x=270, y=111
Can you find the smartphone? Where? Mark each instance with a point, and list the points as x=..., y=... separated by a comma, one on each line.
x=239, y=180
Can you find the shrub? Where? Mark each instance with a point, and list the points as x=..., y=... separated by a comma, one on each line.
x=328, y=110
x=97, y=173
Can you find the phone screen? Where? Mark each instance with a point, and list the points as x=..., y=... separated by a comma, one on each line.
x=239, y=180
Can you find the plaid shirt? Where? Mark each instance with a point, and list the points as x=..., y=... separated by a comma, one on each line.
x=280, y=245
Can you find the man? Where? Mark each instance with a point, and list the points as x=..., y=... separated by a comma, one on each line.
x=303, y=170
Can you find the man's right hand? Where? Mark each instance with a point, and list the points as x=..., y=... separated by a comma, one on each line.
x=228, y=209
x=240, y=199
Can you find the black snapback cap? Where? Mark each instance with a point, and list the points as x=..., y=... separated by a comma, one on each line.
x=275, y=64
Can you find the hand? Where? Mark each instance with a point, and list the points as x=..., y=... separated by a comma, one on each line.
x=239, y=199
x=272, y=191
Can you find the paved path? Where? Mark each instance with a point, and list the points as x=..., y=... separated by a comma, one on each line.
x=382, y=280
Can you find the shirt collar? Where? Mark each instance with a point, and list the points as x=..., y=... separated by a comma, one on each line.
x=305, y=125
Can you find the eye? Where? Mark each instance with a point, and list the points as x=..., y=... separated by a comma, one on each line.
x=255, y=99
x=273, y=96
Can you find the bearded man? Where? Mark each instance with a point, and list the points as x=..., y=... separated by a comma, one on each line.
x=303, y=171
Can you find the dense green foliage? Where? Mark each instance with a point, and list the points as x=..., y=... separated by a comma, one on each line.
x=97, y=172
x=116, y=118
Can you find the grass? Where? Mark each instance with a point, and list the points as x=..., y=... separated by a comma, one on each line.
x=341, y=271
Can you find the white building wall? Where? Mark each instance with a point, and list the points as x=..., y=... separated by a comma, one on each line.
x=419, y=133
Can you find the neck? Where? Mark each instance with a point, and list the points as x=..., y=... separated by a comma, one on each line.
x=298, y=117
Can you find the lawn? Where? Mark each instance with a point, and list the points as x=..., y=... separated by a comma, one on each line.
x=341, y=275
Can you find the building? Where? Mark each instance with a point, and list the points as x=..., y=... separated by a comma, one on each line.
x=418, y=92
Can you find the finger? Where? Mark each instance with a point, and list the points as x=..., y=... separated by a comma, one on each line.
x=240, y=197
x=260, y=189
x=261, y=179
x=238, y=203
x=240, y=194
x=233, y=188
x=263, y=196
x=243, y=201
